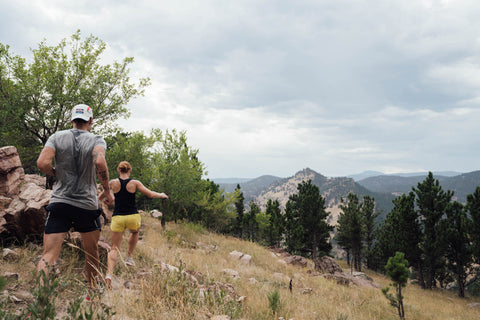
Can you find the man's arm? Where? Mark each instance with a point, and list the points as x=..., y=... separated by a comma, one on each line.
x=101, y=168
x=45, y=161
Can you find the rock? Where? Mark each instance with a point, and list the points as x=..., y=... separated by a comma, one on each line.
x=11, y=275
x=327, y=264
x=243, y=258
x=306, y=291
x=9, y=159
x=11, y=171
x=246, y=259
x=23, y=295
x=231, y=273
x=350, y=279
x=474, y=305
x=10, y=182
x=156, y=214
x=10, y=255
x=236, y=254
x=128, y=284
x=296, y=260
x=35, y=179
x=222, y=317
x=4, y=202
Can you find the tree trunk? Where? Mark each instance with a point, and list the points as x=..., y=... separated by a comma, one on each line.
x=401, y=311
x=461, y=282
x=421, y=281
x=314, y=246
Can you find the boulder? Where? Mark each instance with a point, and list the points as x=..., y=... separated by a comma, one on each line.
x=9, y=159
x=296, y=260
x=231, y=273
x=11, y=171
x=156, y=214
x=243, y=258
x=10, y=255
x=4, y=202
x=327, y=264
x=351, y=279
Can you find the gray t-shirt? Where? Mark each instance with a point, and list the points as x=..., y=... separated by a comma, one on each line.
x=74, y=168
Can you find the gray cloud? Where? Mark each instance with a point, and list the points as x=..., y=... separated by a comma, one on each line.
x=269, y=87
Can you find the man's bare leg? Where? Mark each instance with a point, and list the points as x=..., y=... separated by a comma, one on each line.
x=52, y=245
x=92, y=263
x=116, y=238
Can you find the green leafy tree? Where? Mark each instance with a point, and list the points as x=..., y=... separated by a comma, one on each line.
x=178, y=172
x=307, y=209
x=37, y=97
x=432, y=201
x=276, y=223
x=262, y=228
x=213, y=210
x=397, y=270
x=456, y=230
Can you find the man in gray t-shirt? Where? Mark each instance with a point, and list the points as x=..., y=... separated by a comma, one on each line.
x=79, y=155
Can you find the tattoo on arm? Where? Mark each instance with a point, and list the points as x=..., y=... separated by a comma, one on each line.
x=103, y=175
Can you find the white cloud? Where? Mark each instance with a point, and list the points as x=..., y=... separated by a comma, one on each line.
x=269, y=87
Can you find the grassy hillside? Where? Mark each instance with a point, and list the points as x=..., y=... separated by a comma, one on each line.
x=153, y=294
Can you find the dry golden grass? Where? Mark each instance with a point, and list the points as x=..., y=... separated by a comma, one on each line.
x=157, y=295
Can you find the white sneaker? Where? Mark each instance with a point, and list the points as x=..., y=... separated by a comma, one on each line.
x=129, y=262
x=108, y=281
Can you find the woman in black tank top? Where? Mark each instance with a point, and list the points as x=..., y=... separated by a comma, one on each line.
x=125, y=215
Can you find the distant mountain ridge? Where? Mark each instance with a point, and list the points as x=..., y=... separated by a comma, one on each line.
x=250, y=187
x=367, y=174
x=384, y=188
x=462, y=184
x=264, y=188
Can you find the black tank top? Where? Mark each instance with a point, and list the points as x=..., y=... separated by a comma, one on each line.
x=124, y=200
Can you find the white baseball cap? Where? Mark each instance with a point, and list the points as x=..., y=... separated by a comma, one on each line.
x=82, y=111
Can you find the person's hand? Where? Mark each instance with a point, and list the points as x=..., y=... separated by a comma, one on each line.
x=107, y=197
x=163, y=195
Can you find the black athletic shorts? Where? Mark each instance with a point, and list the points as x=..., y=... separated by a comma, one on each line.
x=61, y=217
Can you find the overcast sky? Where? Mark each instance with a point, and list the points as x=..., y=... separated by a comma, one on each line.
x=272, y=87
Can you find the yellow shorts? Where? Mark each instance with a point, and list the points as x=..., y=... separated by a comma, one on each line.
x=131, y=221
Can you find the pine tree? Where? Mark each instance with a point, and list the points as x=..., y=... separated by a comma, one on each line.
x=294, y=231
x=350, y=230
x=401, y=231
x=240, y=208
x=473, y=209
x=250, y=224
x=306, y=216
x=276, y=223
x=369, y=216
x=456, y=230
x=397, y=270
x=431, y=202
